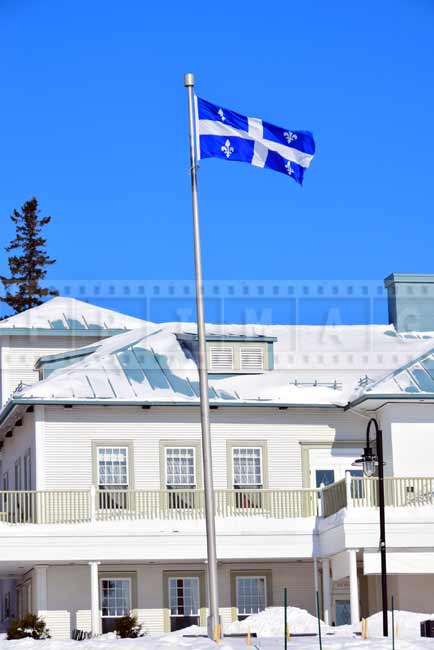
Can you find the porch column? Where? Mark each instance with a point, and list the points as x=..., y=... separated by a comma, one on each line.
x=41, y=590
x=94, y=599
x=354, y=587
x=327, y=596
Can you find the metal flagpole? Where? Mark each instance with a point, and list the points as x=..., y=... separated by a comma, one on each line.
x=213, y=619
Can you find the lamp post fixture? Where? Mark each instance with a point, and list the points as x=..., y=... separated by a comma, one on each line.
x=370, y=462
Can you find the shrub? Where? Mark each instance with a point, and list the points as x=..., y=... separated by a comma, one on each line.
x=30, y=626
x=127, y=627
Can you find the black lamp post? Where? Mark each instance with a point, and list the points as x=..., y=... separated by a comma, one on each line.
x=370, y=462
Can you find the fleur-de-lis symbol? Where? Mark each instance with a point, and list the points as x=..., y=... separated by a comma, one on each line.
x=222, y=115
x=227, y=149
x=289, y=169
x=290, y=136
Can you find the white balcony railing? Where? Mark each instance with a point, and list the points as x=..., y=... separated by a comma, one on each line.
x=362, y=492
x=76, y=506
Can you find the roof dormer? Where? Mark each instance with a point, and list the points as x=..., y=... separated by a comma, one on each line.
x=234, y=354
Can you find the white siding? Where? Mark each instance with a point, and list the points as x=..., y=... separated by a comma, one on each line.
x=19, y=355
x=408, y=433
x=69, y=434
x=14, y=448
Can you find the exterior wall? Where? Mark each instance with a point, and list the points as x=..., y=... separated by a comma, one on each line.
x=16, y=447
x=19, y=355
x=68, y=436
x=415, y=593
x=69, y=591
x=408, y=432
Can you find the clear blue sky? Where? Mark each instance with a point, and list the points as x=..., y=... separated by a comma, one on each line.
x=94, y=123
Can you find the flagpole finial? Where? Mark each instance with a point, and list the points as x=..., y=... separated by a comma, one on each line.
x=188, y=79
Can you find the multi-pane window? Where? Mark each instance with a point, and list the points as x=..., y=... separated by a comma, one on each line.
x=18, y=475
x=27, y=470
x=184, y=596
x=113, y=468
x=247, y=467
x=7, y=605
x=180, y=468
x=251, y=595
x=115, y=597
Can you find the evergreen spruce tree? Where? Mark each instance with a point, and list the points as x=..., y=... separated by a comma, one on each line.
x=28, y=266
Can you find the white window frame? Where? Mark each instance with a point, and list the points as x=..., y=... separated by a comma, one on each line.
x=180, y=486
x=256, y=350
x=186, y=577
x=115, y=579
x=247, y=486
x=250, y=577
x=114, y=486
x=216, y=349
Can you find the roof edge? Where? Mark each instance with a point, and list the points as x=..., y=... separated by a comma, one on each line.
x=387, y=397
x=42, y=331
x=8, y=408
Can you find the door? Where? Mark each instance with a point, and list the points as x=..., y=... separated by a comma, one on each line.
x=343, y=612
x=115, y=601
x=328, y=465
x=183, y=602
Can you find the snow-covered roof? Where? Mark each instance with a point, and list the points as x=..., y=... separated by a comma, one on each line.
x=64, y=316
x=313, y=365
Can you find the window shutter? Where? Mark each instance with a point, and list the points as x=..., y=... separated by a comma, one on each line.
x=221, y=358
x=252, y=358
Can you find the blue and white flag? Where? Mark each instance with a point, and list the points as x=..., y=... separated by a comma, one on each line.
x=221, y=133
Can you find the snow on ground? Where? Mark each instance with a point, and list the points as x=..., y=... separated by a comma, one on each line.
x=269, y=627
x=270, y=623
x=407, y=624
x=176, y=641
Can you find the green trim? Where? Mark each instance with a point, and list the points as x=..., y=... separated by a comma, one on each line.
x=164, y=444
x=40, y=331
x=306, y=447
x=109, y=442
x=270, y=349
x=412, y=278
x=229, y=337
x=202, y=594
x=253, y=573
x=108, y=402
x=69, y=354
x=231, y=444
x=414, y=397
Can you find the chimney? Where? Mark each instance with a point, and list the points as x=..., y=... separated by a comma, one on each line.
x=411, y=301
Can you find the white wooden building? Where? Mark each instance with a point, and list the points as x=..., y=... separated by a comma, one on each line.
x=101, y=502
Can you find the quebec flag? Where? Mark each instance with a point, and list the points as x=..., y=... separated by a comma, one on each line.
x=221, y=133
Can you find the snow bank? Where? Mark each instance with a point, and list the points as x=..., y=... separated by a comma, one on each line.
x=408, y=624
x=270, y=622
